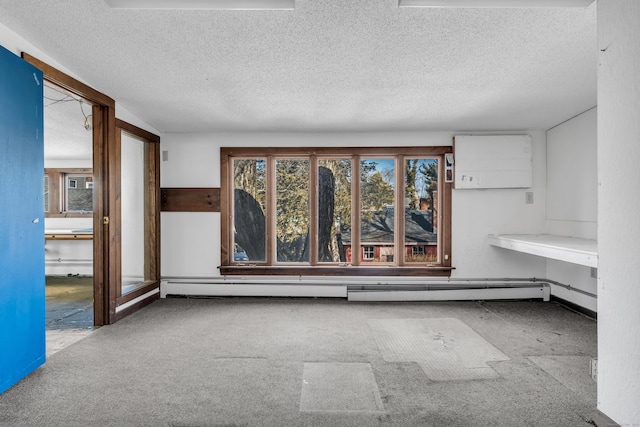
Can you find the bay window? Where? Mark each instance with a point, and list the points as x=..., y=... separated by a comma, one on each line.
x=335, y=211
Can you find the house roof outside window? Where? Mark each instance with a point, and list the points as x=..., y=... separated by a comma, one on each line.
x=379, y=228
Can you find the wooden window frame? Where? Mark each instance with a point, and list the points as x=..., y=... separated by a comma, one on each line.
x=399, y=268
x=57, y=198
x=151, y=218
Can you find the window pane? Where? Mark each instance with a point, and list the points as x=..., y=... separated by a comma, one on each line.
x=377, y=208
x=421, y=196
x=368, y=252
x=249, y=207
x=46, y=193
x=79, y=193
x=292, y=210
x=334, y=209
x=133, y=207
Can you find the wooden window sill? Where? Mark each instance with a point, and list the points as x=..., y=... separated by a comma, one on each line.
x=262, y=270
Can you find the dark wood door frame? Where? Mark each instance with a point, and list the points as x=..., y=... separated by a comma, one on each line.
x=104, y=138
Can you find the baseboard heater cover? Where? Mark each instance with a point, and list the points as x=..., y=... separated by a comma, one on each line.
x=458, y=294
x=251, y=290
x=356, y=291
x=60, y=261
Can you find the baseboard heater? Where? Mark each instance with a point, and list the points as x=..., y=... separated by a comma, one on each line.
x=448, y=292
x=360, y=289
x=267, y=287
x=58, y=261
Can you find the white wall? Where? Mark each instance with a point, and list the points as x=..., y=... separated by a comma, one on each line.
x=572, y=177
x=619, y=211
x=190, y=245
x=478, y=213
x=132, y=199
x=572, y=199
x=191, y=241
x=64, y=257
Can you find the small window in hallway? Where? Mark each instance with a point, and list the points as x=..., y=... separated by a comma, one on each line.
x=68, y=192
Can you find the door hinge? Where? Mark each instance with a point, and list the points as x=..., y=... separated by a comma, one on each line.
x=105, y=220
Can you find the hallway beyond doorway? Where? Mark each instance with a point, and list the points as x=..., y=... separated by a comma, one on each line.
x=69, y=310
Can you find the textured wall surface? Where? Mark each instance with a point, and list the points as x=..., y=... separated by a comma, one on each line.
x=618, y=208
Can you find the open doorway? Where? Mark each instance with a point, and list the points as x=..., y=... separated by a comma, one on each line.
x=68, y=204
x=110, y=301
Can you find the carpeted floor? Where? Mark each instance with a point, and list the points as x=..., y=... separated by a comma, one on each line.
x=308, y=362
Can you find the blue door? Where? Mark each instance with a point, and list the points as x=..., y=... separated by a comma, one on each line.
x=22, y=292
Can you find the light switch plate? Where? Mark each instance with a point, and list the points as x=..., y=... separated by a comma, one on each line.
x=529, y=197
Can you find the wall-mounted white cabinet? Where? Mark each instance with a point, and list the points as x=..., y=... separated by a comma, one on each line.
x=493, y=161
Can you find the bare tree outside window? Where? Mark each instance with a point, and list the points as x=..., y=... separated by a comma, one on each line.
x=334, y=208
x=421, y=189
x=292, y=210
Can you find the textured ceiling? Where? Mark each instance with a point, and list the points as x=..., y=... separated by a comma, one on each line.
x=329, y=65
x=65, y=135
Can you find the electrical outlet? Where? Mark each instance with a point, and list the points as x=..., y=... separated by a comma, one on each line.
x=594, y=273
x=529, y=197
x=165, y=155
x=594, y=369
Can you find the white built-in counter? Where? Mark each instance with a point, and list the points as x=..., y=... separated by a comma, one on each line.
x=568, y=249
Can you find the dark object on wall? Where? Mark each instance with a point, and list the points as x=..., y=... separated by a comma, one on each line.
x=190, y=199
